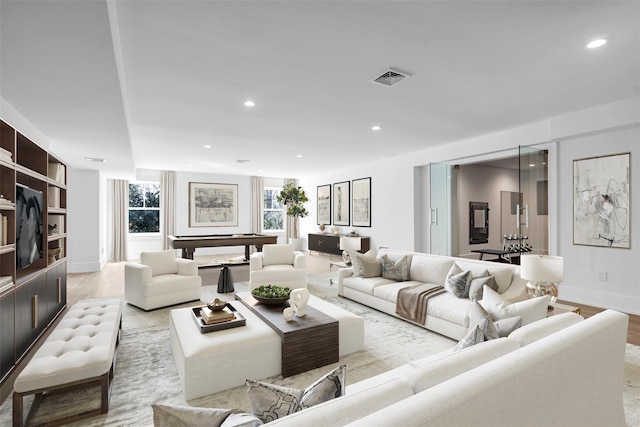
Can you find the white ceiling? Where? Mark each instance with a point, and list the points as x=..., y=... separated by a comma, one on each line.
x=146, y=84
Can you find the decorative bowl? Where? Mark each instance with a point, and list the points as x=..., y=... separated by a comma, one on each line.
x=270, y=294
x=217, y=305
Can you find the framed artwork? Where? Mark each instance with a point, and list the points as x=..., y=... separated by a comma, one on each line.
x=602, y=201
x=324, y=204
x=341, y=203
x=213, y=205
x=361, y=202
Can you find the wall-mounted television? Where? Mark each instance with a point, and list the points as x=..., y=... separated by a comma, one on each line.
x=29, y=226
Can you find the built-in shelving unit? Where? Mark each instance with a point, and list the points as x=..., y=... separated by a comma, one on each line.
x=32, y=293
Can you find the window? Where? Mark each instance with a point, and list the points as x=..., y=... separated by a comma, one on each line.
x=273, y=210
x=144, y=208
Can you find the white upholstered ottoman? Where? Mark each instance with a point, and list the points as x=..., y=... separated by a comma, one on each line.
x=215, y=361
x=81, y=349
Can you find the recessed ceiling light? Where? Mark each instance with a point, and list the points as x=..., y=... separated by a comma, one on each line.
x=242, y=161
x=596, y=43
x=207, y=146
x=376, y=128
x=299, y=156
x=189, y=166
x=95, y=160
x=249, y=103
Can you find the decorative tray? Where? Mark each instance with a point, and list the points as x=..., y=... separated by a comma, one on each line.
x=204, y=328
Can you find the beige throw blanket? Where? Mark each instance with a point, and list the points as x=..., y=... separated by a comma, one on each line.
x=412, y=301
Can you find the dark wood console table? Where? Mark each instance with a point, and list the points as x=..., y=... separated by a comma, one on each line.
x=330, y=243
x=308, y=342
x=188, y=244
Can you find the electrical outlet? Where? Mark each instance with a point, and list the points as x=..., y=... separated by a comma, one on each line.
x=602, y=276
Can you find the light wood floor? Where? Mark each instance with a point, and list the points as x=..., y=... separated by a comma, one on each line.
x=110, y=282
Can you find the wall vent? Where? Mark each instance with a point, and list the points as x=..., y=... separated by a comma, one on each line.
x=391, y=77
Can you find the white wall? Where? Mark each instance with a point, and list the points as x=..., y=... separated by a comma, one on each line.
x=85, y=249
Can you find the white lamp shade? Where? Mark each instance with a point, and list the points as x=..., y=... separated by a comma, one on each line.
x=542, y=268
x=350, y=243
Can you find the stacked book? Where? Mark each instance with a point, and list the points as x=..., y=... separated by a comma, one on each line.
x=6, y=282
x=5, y=202
x=212, y=317
x=5, y=155
x=4, y=226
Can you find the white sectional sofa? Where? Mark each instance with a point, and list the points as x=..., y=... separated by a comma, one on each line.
x=446, y=314
x=559, y=371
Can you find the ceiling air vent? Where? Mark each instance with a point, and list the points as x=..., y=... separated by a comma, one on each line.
x=391, y=77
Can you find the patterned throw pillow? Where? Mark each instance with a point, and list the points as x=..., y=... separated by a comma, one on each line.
x=270, y=402
x=483, y=328
x=185, y=416
x=398, y=271
x=368, y=267
x=458, y=281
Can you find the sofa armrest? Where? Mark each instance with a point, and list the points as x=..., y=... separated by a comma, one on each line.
x=137, y=273
x=255, y=261
x=187, y=267
x=300, y=260
x=343, y=273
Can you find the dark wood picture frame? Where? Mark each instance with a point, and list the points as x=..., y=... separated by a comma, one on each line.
x=361, y=202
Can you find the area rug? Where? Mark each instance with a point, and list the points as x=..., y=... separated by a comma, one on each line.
x=146, y=372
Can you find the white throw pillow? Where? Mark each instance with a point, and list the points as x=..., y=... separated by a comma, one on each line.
x=530, y=310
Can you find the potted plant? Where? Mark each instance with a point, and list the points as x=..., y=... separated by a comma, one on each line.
x=294, y=199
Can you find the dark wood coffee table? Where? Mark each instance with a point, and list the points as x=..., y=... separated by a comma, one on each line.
x=308, y=342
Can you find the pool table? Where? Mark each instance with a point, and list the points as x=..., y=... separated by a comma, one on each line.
x=188, y=244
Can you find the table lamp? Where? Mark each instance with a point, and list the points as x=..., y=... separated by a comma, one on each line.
x=543, y=273
x=347, y=244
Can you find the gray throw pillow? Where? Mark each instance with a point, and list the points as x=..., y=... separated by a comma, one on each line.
x=507, y=325
x=473, y=337
x=270, y=402
x=475, y=287
x=398, y=270
x=369, y=267
x=458, y=284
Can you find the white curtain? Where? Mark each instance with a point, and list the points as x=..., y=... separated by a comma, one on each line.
x=120, y=222
x=257, y=191
x=168, y=206
x=290, y=220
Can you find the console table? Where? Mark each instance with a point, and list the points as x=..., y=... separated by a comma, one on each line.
x=330, y=243
x=308, y=342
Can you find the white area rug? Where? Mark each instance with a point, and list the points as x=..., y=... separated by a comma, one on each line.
x=146, y=371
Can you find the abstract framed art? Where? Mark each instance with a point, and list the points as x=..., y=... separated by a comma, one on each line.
x=213, y=205
x=341, y=206
x=602, y=201
x=324, y=204
x=361, y=202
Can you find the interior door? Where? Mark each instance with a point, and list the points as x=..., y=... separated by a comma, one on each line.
x=442, y=202
x=532, y=211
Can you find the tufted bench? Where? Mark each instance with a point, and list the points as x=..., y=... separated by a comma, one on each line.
x=80, y=350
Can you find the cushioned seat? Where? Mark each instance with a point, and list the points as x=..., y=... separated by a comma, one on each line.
x=278, y=265
x=161, y=280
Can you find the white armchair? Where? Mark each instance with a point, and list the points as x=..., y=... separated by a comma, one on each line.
x=278, y=265
x=161, y=280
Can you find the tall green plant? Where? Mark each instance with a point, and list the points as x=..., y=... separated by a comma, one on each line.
x=294, y=199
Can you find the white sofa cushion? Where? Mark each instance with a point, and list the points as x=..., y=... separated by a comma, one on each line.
x=545, y=327
x=430, y=269
x=277, y=254
x=530, y=310
x=161, y=262
x=447, y=307
x=455, y=363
